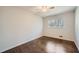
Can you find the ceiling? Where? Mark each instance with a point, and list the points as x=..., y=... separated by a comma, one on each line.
x=53, y=11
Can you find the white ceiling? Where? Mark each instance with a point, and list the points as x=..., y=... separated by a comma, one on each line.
x=56, y=10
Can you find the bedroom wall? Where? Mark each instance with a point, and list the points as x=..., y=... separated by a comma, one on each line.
x=68, y=29
x=18, y=26
x=77, y=27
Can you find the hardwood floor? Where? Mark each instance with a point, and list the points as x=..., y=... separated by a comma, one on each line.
x=45, y=45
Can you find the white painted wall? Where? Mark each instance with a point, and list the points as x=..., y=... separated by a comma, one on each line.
x=77, y=27
x=67, y=31
x=18, y=26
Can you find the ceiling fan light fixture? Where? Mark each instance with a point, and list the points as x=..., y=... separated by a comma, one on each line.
x=46, y=8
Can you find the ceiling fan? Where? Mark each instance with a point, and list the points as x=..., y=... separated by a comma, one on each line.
x=44, y=8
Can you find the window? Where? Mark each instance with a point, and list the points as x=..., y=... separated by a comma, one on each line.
x=56, y=23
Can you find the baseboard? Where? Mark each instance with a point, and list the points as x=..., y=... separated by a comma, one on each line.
x=21, y=43
x=58, y=38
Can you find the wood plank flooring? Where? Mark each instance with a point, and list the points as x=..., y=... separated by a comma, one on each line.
x=45, y=45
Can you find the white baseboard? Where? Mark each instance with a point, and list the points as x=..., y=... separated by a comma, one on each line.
x=58, y=38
